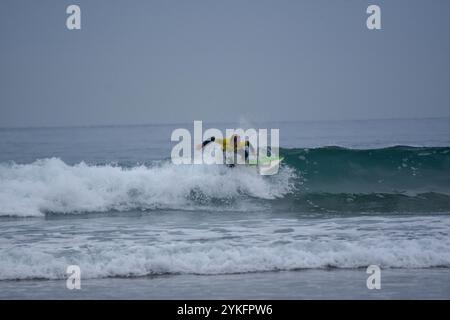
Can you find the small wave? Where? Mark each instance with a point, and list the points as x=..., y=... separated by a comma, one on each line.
x=224, y=257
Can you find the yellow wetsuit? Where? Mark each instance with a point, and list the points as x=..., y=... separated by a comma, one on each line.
x=228, y=145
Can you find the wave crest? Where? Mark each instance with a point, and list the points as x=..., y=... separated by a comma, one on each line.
x=50, y=185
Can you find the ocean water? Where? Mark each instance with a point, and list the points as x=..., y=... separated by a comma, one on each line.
x=349, y=194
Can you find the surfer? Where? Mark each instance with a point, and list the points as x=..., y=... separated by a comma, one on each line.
x=233, y=145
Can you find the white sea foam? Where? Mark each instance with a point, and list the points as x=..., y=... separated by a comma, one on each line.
x=50, y=185
x=253, y=246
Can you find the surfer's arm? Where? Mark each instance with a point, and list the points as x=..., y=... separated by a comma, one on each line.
x=206, y=142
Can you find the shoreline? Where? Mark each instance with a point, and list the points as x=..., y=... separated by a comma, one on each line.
x=432, y=283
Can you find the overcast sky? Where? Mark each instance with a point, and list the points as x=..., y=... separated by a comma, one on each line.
x=136, y=62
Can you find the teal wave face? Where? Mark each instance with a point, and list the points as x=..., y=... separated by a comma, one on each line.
x=406, y=170
x=394, y=179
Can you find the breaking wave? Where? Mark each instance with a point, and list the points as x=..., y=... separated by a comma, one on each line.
x=330, y=179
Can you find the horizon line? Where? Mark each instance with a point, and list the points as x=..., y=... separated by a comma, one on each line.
x=98, y=125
